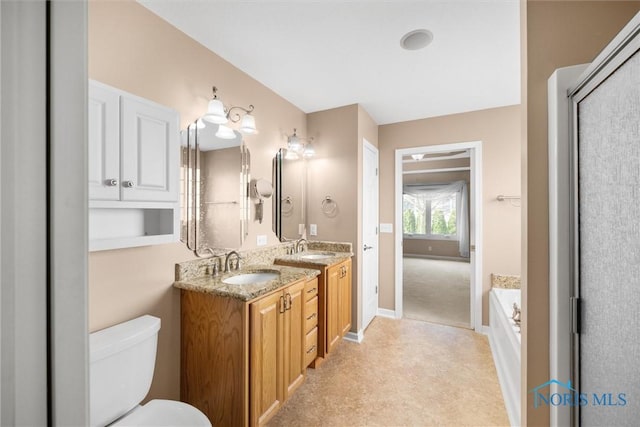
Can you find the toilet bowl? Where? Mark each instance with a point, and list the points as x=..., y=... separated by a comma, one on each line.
x=122, y=360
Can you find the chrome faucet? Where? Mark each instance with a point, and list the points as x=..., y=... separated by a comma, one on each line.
x=299, y=243
x=226, y=261
x=516, y=314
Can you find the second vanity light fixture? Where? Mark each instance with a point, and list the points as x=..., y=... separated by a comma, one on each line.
x=296, y=146
x=219, y=114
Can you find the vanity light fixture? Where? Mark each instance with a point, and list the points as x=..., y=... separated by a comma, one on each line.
x=417, y=157
x=308, y=151
x=219, y=114
x=296, y=146
x=294, y=143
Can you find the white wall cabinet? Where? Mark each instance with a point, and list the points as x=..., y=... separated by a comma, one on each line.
x=133, y=170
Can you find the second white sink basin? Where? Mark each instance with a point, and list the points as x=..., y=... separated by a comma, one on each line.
x=250, y=278
x=317, y=255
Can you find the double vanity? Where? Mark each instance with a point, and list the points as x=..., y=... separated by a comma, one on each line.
x=249, y=335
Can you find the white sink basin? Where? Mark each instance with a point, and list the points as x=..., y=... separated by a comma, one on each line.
x=250, y=278
x=320, y=255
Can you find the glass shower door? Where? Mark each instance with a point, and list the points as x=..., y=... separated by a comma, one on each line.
x=607, y=180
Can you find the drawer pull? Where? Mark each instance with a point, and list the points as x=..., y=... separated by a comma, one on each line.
x=312, y=316
x=313, y=347
x=311, y=290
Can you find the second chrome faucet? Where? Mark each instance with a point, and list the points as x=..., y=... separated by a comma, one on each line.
x=227, y=259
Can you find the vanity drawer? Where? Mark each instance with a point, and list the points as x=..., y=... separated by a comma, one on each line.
x=311, y=347
x=311, y=314
x=310, y=289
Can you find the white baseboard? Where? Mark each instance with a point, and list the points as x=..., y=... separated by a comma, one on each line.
x=485, y=330
x=385, y=312
x=354, y=337
x=447, y=258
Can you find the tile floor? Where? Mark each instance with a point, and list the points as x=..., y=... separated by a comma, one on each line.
x=405, y=373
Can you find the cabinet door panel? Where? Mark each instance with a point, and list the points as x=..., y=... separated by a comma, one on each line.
x=294, y=338
x=345, y=299
x=333, y=316
x=266, y=331
x=104, y=143
x=149, y=151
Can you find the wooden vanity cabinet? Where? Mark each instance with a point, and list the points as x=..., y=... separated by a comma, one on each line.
x=276, y=341
x=240, y=360
x=338, y=303
x=333, y=305
x=311, y=321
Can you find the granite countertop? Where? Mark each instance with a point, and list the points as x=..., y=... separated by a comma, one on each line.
x=214, y=284
x=318, y=258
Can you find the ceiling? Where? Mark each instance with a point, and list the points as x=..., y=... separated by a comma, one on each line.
x=324, y=54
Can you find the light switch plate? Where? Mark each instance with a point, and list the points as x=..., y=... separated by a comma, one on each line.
x=300, y=229
x=261, y=240
x=313, y=229
x=386, y=228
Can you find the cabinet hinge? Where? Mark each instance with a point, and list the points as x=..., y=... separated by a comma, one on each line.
x=376, y=290
x=376, y=230
x=376, y=171
x=575, y=304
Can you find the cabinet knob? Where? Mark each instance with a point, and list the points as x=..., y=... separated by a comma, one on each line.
x=111, y=182
x=127, y=184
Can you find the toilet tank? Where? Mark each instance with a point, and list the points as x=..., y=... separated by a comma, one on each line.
x=122, y=360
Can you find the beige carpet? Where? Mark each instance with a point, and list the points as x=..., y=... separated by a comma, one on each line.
x=404, y=373
x=436, y=291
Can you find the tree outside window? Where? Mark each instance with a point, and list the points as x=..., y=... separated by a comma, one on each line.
x=430, y=218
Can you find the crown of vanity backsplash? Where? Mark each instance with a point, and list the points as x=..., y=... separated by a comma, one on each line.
x=260, y=256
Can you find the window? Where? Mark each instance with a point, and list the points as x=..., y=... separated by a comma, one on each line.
x=425, y=216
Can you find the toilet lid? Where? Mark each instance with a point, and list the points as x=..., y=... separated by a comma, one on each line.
x=167, y=413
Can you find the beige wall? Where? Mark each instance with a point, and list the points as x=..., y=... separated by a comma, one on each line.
x=559, y=34
x=134, y=50
x=499, y=131
x=336, y=171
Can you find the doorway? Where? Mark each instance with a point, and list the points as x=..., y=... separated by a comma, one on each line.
x=441, y=233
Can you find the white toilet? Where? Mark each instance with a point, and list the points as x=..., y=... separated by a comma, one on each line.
x=121, y=369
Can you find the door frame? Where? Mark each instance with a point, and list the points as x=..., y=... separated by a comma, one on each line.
x=475, y=224
x=368, y=146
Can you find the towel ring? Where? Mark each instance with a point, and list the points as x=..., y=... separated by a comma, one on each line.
x=329, y=206
x=287, y=205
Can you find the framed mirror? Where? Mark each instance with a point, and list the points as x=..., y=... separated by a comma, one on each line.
x=215, y=189
x=289, y=202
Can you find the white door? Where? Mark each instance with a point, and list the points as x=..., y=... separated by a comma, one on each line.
x=369, y=251
x=150, y=151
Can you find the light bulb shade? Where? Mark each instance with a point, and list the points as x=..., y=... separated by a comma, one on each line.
x=291, y=155
x=248, y=124
x=309, y=151
x=417, y=156
x=225, y=132
x=200, y=124
x=294, y=144
x=215, y=113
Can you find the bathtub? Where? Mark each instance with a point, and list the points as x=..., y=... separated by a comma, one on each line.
x=504, y=339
